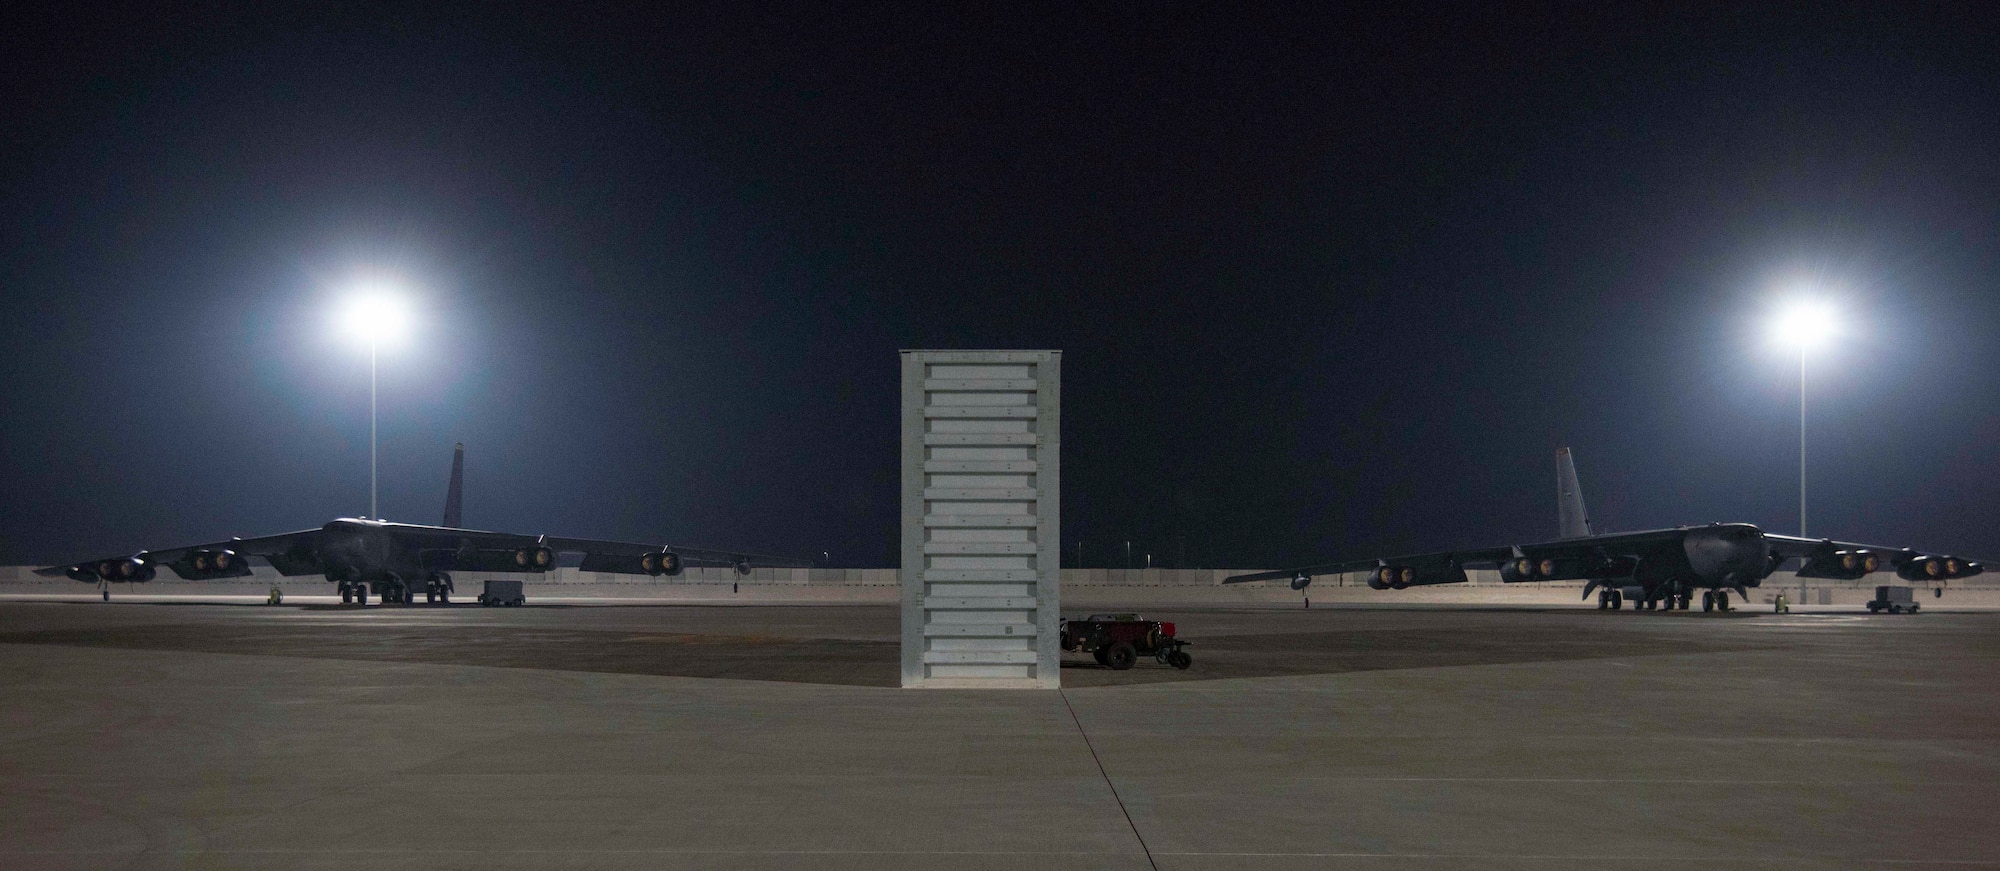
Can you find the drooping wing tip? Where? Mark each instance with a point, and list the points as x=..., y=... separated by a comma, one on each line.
x=53, y=571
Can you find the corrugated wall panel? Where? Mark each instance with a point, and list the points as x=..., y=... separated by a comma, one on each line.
x=981, y=440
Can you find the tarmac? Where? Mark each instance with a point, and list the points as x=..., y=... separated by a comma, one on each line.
x=227, y=734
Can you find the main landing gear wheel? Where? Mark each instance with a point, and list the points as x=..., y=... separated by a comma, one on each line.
x=1617, y=600
x=1708, y=600
x=1121, y=656
x=1721, y=600
x=1603, y=599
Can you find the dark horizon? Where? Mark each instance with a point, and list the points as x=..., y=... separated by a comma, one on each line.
x=1326, y=284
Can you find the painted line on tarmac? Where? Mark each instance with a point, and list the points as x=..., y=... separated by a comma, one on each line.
x=1562, y=857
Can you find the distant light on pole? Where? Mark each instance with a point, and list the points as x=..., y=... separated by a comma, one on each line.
x=378, y=316
x=1806, y=324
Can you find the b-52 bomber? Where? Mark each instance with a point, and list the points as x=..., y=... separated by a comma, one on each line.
x=396, y=560
x=1657, y=569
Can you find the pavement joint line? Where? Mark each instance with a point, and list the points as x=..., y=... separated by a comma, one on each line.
x=1107, y=779
x=1558, y=857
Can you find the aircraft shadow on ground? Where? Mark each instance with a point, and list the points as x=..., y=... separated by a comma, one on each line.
x=851, y=662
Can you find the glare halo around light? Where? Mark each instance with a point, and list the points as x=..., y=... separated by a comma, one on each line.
x=376, y=315
x=1805, y=324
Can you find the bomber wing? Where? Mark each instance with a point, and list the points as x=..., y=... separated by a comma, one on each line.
x=617, y=556
x=1598, y=556
x=291, y=553
x=1846, y=560
x=478, y=550
x=1435, y=568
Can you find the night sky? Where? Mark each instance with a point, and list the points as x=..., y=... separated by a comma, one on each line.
x=1327, y=285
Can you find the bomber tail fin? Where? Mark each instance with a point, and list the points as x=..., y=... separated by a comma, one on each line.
x=1569, y=498
x=454, y=496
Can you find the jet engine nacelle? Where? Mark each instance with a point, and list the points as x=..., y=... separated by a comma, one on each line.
x=205, y=564
x=1301, y=580
x=534, y=559
x=665, y=562
x=1842, y=565
x=129, y=570
x=1529, y=568
x=1400, y=577
x=1937, y=568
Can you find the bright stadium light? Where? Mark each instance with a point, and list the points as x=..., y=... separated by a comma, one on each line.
x=1806, y=324
x=377, y=315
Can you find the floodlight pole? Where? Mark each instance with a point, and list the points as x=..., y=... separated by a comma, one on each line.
x=1802, y=440
x=372, y=513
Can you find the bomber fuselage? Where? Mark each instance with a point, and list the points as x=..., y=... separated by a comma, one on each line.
x=1727, y=555
x=353, y=549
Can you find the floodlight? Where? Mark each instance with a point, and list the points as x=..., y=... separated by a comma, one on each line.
x=377, y=316
x=1805, y=324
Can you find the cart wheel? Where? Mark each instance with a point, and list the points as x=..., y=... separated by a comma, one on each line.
x=1121, y=656
x=1098, y=655
x=1180, y=659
